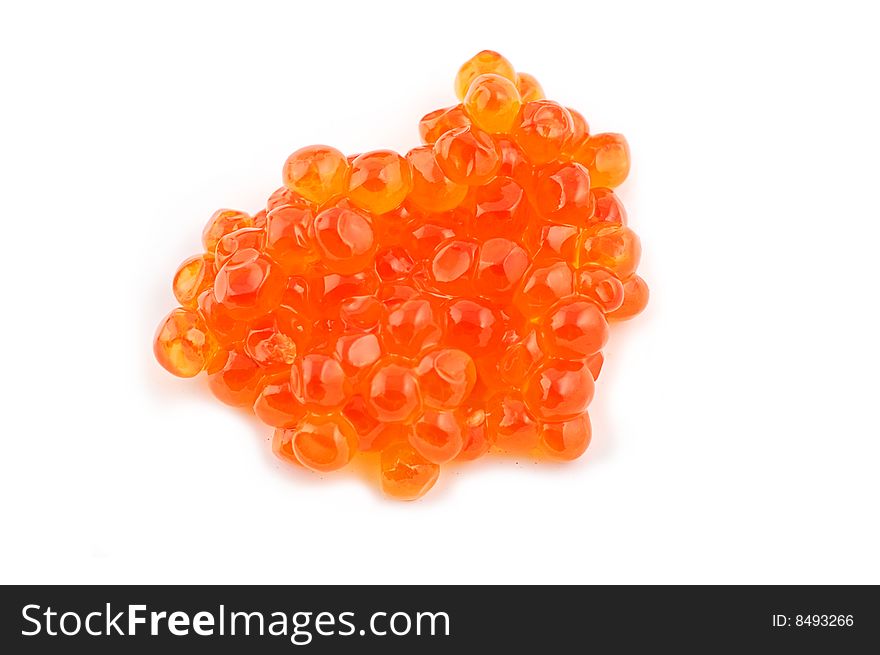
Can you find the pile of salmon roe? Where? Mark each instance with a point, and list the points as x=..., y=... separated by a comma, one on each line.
x=423, y=308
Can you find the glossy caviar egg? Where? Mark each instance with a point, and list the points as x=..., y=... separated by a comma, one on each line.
x=276, y=405
x=573, y=329
x=317, y=173
x=405, y=474
x=426, y=238
x=468, y=155
x=431, y=189
x=270, y=347
x=549, y=242
x=331, y=289
x=345, y=240
x=452, y=268
x=492, y=103
x=514, y=426
x=501, y=209
x=436, y=436
x=235, y=378
x=543, y=130
x=543, y=286
x=319, y=383
x=290, y=238
x=361, y=312
x=436, y=123
x=520, y=360
x=529, y=88
x=567, y=440
x=393, y=392
x=476, y=439
x=615, y=247
x=607, y=207
x=412, y=326
x=223, y=327
x=229, y=244
x=635, y=298
x=607, y=158
x=562, y=194
x=356, y=353
x=379, y=181
x=394, y=263
x=284, y=196
x=249, y=284
x=580, y=132
x=182, y=344
x=559, y=390
x=601, y=286
x=485, y=61
x=446, y=377
x=373, y=435
x=324, y=443
x=473, y=326
x=282, y=445
x=221, y=223
x=500, y=267
x=514, y=164
x=192, y=277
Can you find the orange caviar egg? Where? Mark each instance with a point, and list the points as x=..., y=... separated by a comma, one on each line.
x=414, y=311
x=492, y=103
x=222, y=223
x=235, y=378
x=529, y=88
x=437, y=436
x=514, y=426
x=486, y=61
x=182, y=344
x=543, y=286
x=452, y=267
x=580, y=132
x=249, y=284
x=501, y=209
x=379, y=181
x=393, y=392
x=446, y=377
x=319, y=383
x=436, y=123
x=405, y=474
x=324, y=443
x=290, y=237
x=229, y=244
x=601, y=286
x=345, y=240
x=317, y=173
x=567, y=440
x=559, y=389
x=615, y=247
x=500, y=266
x=635, y=298
x=607, y=158
x=468, y=155
x=574, y=328
x=562, y=194
x=431, y=189
x=543, y=130
x=412, y=326
x=192, y=277
x=276, y=405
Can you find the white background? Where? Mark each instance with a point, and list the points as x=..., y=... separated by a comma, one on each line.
x=736, y=432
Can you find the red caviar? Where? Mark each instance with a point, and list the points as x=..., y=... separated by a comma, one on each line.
x=430, y=307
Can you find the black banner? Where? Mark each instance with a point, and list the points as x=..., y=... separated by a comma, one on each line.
x=420, y=619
